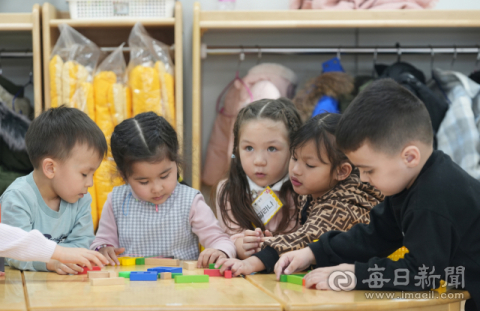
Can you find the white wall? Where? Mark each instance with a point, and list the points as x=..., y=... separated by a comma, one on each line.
x=218, y=70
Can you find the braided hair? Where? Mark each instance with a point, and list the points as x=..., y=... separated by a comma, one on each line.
x=236, y=190
x=145, y=137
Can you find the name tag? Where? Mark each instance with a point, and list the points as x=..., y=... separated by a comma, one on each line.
x=266, y=205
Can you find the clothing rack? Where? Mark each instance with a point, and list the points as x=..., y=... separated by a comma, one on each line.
x=15, y=54
x=219, y=50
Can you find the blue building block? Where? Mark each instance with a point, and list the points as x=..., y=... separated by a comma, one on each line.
x=166, y=269
x=143, y=276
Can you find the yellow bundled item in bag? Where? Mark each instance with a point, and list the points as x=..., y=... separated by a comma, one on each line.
x=73, y=60
x=104, y=181
x=95, y=216
x=56, y=69
x=145, y=86
x=116, y=95
x=83, y=99
x=128, y=103
x=102, y=84
x=167, y=91
x=150, y=75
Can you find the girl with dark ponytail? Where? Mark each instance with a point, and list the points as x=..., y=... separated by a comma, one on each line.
x=153, y=214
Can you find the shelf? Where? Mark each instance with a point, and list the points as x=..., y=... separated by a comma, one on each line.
x=79, y=23
x=338, y=19
x=16, y=22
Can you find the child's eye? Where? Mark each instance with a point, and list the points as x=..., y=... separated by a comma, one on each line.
x=143, y=182
x=294, y=159
x=165, y=177
x=84, y=175
x=249, y=148
x=367, y=172
x=272, y=149
x=310, y=166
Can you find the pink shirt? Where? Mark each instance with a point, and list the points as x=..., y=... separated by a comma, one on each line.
x=26, y=246
x=238, y=232
x=203, y=222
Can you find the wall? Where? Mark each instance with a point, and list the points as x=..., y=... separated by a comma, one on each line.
x=217, y=70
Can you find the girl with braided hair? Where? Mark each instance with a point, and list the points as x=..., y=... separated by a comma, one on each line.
x=262, y=134
x=153, y=214
x=330, y=195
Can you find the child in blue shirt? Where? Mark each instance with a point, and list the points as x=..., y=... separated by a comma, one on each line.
x=65, y=147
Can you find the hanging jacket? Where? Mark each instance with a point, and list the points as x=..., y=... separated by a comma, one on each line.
x=458, y=135
x=263, y=81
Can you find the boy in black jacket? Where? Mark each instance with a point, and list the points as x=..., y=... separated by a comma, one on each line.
x=432, y=206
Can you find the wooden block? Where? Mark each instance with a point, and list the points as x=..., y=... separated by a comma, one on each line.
x=162, y=262
x=85, y=270
x=228, y=274
x=139, y=261
x=98, y=274
x=107, y=281
x=124, y=274
x=112, y=274
x=127, y=261
x=295, y=279
x=212, y=272
x=189, y=265
x=166, y=275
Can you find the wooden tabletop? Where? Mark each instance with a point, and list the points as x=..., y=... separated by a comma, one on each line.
x=46, y=291
x=12, y=296
x=296, y=297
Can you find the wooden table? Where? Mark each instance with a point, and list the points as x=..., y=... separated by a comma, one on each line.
x=296, y=297
x=46, y=291
x=12, y=296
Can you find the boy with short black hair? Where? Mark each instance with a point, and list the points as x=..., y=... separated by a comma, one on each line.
x=65, y=147
x=432, y=205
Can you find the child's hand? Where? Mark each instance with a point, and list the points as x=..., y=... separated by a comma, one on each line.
x=2, y=273
x=318, y=278
x=111, y=253
x=294, y=261
x=236, y=265
x=60, y=268
x=81, y=256
x=253, y=239
x=209, y=255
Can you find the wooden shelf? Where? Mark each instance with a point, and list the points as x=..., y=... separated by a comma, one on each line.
x=303, y=19
x=79, y=23
x=338, y=19
x=29, y=22
x=112, y=33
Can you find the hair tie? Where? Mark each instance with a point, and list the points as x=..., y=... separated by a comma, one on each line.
x=233, y=156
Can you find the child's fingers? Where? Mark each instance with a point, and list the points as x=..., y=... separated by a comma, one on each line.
x=74, y=267
x=66, y=269
x=221, y=262
x=250, y=252
x=60, y=271
x=268, y=233
x=113, y=257
x=237, y=268
x=2, y=273
x=226, y=264
x=214, y=257
x=206, y=259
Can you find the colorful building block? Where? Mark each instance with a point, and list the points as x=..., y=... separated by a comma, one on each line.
x=189, y=265
x=98, y=274
x=112, y=274
x=166, y=269
x=140, y=261
x=85, y=270
x=127, y=261
x=212, y=272
x=176, y=274
x=143, y=276
x=295, y=279
x=192, y=279
x=162, y=262
x=283, y=278
x=124, y=274
x=227, y=274
x=212, y=266
x=107, y=281
x=166, y=276
x=303, y=282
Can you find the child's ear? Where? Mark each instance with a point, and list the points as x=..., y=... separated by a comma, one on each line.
x=343, y=171
x=48, y=167
x=411, y=156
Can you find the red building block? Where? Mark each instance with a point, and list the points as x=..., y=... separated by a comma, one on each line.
x=212, y=272
x=85, y=270
x=303, y=282
x=228, y=274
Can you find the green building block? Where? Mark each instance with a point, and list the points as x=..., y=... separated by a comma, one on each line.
x=192, y=279
x=295, y=279
x=176, y=274
x=283, y=278
x=124, y=274
x=300, y=274
x=140, y=261
x=212, y=266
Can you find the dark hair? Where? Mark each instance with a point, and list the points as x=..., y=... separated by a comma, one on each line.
x=321, y=130
x=236, y=190
x=145, y=137
x=387, y=116
x=55, y=132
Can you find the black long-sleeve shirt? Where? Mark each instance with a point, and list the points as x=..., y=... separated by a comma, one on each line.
x=437, y=219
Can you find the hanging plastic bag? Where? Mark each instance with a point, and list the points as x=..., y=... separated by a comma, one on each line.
x=150, y=75
x=72, y=64
x=110, y=109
